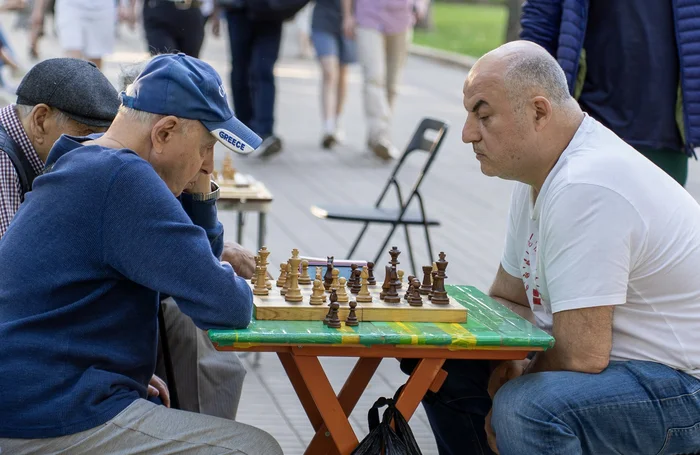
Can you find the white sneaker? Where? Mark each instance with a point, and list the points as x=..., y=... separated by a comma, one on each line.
x=384, y=149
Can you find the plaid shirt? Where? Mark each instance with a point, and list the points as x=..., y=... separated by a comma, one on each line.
x=10, y=186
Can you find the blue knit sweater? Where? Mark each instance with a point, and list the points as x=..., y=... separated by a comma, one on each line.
x=81, y=267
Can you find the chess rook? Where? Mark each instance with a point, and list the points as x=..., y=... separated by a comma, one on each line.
x=427, y=285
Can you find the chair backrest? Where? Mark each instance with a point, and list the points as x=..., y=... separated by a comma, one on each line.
x=418, y=143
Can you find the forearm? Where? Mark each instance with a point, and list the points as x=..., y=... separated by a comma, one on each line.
x=523, y=311
x=347, y=8
x=204, y=215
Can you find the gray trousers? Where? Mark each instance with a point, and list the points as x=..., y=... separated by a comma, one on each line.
x=149, y=429
x=208, y=381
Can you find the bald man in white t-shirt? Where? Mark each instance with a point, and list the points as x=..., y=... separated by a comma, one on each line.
x=602, y=251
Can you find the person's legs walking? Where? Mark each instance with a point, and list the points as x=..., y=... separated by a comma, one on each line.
x=370, y=50
x=327, y=52
x=99, y=28
x=631, y=407
x=266, y=47
x=347, y=56
x=190, y=31
x=147, y=429
x=156, y=24
x=240, y=32
x=396, y=50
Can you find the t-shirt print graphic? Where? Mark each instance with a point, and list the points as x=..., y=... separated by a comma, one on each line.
x=532, y=284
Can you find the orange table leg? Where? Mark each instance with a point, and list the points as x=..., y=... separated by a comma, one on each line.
x=418, y=383
x=439, y=381
x=316, y=382
x=349, y=395
x=300, y=388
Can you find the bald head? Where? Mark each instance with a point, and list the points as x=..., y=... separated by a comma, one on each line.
x=525, y=69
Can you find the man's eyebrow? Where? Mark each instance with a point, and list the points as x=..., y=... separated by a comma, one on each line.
x=479, y=104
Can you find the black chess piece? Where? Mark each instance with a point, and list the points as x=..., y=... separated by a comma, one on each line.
x=394, y=253
x=414, y=298
x=334, y=320
x=387, y=282
x=371, y=280
x=351, y=280
x=427, y=285
x=352, y=316
x=392, y=295
x=439, y=293
x=356, y=282
x=408, y=287
x=333, y=298
x=328, y=277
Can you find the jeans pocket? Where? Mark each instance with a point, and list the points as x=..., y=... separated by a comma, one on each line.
x=682, y=441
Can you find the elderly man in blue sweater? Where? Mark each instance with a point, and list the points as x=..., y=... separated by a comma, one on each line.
x=81, y=266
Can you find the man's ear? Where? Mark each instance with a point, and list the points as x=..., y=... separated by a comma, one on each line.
x=37, y=121
x=162, y=132
x=543, y=112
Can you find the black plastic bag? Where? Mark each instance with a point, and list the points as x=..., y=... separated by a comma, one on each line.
x=382, y=439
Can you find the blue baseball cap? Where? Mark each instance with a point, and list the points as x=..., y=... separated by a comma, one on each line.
x=186, y=87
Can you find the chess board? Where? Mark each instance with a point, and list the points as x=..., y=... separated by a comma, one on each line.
x=274, y=307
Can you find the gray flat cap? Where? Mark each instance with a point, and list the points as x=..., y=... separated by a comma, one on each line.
x=75, y=87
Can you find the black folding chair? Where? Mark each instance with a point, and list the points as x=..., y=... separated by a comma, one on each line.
x=400, y=215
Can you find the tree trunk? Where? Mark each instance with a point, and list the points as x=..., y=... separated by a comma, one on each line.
x=514, y=11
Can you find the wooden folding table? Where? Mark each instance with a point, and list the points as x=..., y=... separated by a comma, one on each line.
x=491, y=332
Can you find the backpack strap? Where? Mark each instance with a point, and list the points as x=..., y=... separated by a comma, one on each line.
x=24, y=168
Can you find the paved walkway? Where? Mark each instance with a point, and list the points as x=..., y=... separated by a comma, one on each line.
x=471, y=207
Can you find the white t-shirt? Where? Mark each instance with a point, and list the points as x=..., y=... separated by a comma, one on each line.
x=611, y=228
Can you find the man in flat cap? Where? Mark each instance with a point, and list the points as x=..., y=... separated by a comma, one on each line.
x=104, y=233
x=58, y=96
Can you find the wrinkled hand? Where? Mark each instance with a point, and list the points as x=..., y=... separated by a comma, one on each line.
x=503, y=373
x=349, y=27
x=242, y=260
x=158, y=388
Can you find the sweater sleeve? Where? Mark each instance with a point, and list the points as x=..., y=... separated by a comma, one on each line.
x=203, y=214
x=148, y=238
x=540, y=23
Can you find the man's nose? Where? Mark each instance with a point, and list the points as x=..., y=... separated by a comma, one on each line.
x=208, y=164
x=470, y=132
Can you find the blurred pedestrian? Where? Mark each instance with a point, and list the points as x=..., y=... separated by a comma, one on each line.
x=631, y=65
x=302, y=20
x=86, y=28
x=383, y=29
x=172, y=26
x=335, y=53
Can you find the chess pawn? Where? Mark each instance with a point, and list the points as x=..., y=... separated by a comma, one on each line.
x=371, y=280
x=364, y=296
x=333, y=298
x=400, y=274
x=260, y=287
x=351, y=321
x=342, y=291
x=408, y=287
x=335, y=282
x=304, y=278
x=283, y=275
x=427, y=285
x=334, y=320
x=318, y=296
x=414, y=298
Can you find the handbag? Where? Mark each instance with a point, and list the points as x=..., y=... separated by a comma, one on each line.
x=382, y=439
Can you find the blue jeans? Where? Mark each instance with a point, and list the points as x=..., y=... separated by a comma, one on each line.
x=330, y=44
x=254, y=50
x=631, y=407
